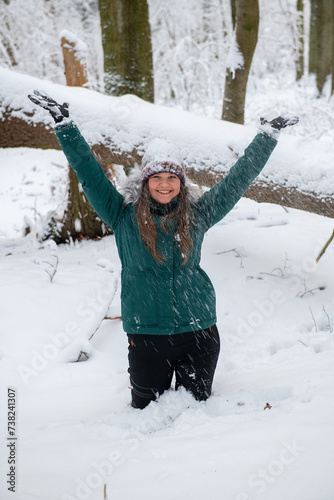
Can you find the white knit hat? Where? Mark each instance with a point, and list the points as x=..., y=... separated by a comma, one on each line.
x=162, y=156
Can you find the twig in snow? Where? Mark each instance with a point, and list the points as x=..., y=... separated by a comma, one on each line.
x=236, y=252
x=50, y=265
x=329, y=321
x=92, y=335
x=281, y=275
x=278, y=272
x=82, y=353
x=299, y=294
x=315, y=324
x=325, y=247
x=104, y=317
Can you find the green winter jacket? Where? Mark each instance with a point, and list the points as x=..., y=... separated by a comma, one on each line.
x=169, y=298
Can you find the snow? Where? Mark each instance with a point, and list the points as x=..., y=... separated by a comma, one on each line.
x=133, y=123
x=159, y=155
x=75, y=428
x=77, y=44
x=71, y=42
x=23, y=188
x=235, y=59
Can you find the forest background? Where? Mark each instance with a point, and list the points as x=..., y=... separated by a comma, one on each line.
x=193, y=47
x=268, y=428
x=231, y=59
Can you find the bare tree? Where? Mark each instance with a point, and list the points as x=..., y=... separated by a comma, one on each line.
x=126, y=39
x=300, y=59
x=240, y=58
x=321, y=53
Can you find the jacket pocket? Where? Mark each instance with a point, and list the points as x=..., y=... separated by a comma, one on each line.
x=140, y=300
x=195, y=299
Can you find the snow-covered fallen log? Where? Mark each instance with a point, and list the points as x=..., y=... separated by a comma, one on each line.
x=299, y=174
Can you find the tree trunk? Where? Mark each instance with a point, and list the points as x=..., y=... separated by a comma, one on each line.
x=74, y=61
x=332, y=72
x=233, y=13
x=264, y=191
x=237, y=71
x=126, y=39
x=16, y=132
x=313, y=49
x=79, y=220
x=300, y=60
x=321, y=53
x=325, y=42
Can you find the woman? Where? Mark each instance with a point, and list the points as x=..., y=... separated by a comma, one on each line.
x=168, y=301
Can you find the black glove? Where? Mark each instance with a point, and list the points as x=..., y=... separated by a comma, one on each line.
x=280, y=121
x=57, y=111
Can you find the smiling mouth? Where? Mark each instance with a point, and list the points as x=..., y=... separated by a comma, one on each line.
x=164, y=192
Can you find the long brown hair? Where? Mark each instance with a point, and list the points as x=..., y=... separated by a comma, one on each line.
x=148, y=228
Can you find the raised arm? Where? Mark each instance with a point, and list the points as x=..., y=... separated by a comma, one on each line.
x=222, y=197
x=100, y=192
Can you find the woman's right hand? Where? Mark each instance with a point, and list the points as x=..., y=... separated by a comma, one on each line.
x=57, y=111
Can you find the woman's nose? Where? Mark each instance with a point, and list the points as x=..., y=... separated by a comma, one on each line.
x=164, y=182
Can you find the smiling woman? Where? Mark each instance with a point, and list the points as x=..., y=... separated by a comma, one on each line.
x=164, y=187
x=168, y=301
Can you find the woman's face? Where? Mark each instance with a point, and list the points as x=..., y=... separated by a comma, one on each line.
x=164, y=186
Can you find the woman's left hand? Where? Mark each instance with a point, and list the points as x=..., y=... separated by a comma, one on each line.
x=281, y=121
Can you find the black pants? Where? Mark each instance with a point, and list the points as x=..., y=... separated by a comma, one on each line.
x=153, y=359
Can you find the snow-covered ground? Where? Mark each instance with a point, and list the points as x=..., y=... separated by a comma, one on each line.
x=75, y=428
